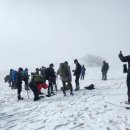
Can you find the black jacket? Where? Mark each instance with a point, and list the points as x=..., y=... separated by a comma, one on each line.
x=50, y=74
x=77, y=71
x=125, y=59
x=19, y=78
x=105, y=67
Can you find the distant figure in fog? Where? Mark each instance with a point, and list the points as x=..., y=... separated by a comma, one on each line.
x=83, y=69
x=104, y=70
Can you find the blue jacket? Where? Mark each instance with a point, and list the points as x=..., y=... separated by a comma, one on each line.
x=14, y=75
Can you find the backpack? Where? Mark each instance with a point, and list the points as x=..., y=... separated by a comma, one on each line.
x=24, y=75
x=38, y=79
x=90, y=87
x=63, y=70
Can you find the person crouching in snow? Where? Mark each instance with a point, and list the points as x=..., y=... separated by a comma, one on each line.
x=36, y=80
x=66, y=77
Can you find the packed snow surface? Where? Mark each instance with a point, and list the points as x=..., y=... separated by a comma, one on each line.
x=98, y=109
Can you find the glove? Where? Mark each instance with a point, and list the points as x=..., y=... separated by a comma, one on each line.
x=120, y=54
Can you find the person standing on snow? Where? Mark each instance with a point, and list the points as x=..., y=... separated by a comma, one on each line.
x=126, y=59
x=83, y=69
x=19, y=83
x=50, y=76
x=104, y=70
x=66, y=77
x=77, y=73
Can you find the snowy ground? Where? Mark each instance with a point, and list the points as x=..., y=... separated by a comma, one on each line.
x=87, y=110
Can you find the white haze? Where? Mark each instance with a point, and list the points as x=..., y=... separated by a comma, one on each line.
x=36, y=33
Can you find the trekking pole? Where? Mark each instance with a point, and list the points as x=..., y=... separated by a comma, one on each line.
x=56, y=83
x=27, y=91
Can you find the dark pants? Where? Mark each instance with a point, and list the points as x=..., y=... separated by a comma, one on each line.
x=50, y=87
x=128, y=86
x=54, y=83
x=82, y=76
x=19, y=88
x=14, y=85
x=26, y=84
x=34, y=89
x=104, y=75
x=77, y=81
x=64, y=86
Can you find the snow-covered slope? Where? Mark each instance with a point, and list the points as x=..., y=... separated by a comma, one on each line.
x=97, y=109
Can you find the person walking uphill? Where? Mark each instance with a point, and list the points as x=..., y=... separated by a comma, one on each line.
x=66, y=77
x=126, y=59
x=77, y=73
x=104, y=70
x=19, y=83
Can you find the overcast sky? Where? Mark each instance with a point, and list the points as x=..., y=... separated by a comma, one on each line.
x=38, y=32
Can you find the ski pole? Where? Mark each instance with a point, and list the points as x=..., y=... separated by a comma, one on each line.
x=27, y=93
x=26, y=88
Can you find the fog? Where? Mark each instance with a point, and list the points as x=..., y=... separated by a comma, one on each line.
x=39, y=32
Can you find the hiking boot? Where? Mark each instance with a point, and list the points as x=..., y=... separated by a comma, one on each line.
x=27, y=88
x=36, y=98
x=40, y=93
x=52, y=93
x=41, y=96
x=48, y=95
x=72, y=93
x=76, y=89
x=64, y=94
x=20, y=98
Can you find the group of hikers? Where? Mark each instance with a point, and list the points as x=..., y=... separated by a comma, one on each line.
x=37, y=80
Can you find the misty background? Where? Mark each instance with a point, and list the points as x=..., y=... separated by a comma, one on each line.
x=38, y=32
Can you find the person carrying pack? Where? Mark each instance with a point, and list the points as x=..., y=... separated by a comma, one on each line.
x=66, y=77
